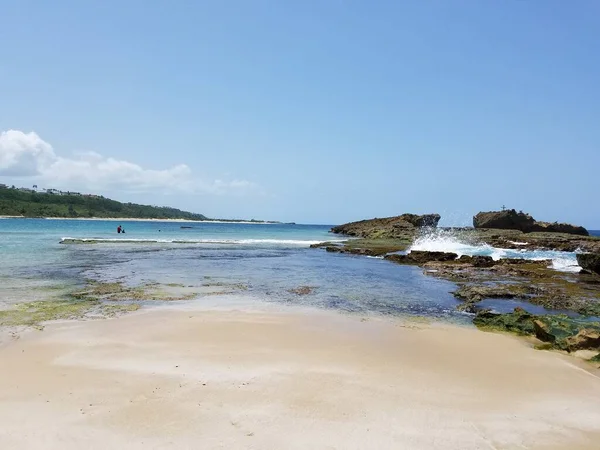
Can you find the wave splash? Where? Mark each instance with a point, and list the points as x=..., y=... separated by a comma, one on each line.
x=443, y=240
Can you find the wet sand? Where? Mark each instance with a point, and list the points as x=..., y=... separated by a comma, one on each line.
x=191, y=379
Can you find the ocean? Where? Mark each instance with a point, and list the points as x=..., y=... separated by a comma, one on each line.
x=270, y=261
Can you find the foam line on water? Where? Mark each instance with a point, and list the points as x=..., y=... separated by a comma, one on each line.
x=293, y=242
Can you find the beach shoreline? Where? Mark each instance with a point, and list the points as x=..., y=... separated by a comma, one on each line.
x=196, y=377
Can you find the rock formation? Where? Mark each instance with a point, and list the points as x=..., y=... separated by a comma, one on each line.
x=559, y=331
x=589, y=262
x=418, y=257
x=513, y=220
x=388, y=227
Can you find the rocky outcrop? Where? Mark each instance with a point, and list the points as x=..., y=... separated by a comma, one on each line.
x=589, y=262
x=388, y=227
x=353, y=251
x=560, y=331
x=555, y=227
x=477, y=261
x=512, y=220
x=476, y=293
x=584, y=340
x=504, y=220
x=417, y=257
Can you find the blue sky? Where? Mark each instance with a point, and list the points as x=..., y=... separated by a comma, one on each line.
x=312, y=111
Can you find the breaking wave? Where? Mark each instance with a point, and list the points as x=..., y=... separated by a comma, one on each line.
x=440, y=240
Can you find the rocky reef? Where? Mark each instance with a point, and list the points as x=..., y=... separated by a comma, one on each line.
x=570, y=299
x=512, y=220
x=388, y=227
x=559, y=332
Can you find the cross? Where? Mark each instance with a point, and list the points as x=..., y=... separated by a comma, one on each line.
x=503, y=208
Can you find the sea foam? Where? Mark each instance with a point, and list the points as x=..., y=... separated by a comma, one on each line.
x=444, y=240
x=274, y=242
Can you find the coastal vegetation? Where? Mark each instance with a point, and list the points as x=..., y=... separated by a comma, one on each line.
x=29, y=203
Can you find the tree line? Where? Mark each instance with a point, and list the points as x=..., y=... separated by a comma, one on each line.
x=14, y=202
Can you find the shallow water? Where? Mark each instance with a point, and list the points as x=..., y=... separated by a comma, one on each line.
x=267, y=261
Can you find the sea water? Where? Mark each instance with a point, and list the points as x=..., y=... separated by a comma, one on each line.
x=270, y=260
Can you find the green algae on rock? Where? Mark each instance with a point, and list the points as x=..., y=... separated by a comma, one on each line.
x=34, y=314
x=117, y=291
x=561, y=331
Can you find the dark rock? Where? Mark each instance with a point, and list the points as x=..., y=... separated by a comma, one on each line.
x=589, y=262
x=559, y=228
x=542, y=331
x=467, y=307
x=424, y=256
x=505, y=220
x=512, y=220
x=477, y=261
x=352, y=251
x=523, y=261
x=478, y=293
x=419, y=257
x=425, y=220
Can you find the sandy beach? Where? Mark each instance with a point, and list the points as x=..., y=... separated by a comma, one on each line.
x=188, y=379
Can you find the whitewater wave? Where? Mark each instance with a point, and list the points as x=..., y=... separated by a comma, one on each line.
x=447, y=241
x=287, y=242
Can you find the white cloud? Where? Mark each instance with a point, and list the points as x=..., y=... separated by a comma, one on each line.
x=27, y=155
x=23, y=154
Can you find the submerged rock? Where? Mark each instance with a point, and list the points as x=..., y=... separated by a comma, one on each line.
x=512, y=220
x=302, y=290
x=589, y=262
x=476, y=293
x=353, y=251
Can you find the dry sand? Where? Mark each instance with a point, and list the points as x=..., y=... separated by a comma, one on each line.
x=278, y=380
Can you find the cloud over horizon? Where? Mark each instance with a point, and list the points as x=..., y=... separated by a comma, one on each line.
x=26, y=155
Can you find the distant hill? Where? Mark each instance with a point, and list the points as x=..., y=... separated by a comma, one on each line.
x=29, y=203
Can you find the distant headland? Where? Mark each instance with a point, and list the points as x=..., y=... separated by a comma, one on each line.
x=53, y=203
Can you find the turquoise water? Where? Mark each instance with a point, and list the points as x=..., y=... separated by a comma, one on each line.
x=270, y=259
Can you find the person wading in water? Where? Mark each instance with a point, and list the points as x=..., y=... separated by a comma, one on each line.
x=119, y=228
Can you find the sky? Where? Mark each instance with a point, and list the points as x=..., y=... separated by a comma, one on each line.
x=308, y=111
